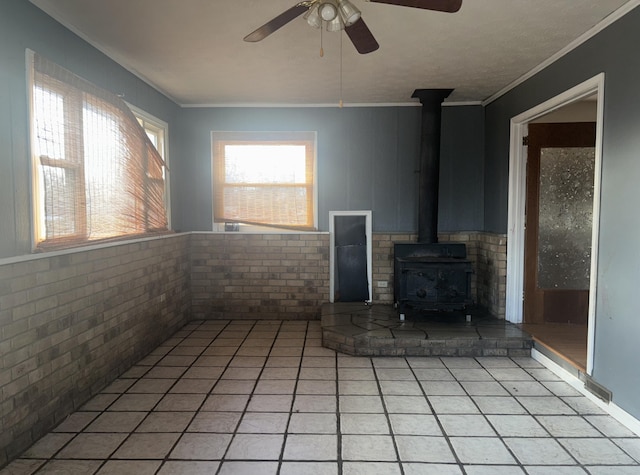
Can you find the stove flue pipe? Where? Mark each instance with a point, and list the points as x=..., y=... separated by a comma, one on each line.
x=431, y=100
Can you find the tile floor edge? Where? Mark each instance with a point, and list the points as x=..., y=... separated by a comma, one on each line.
x=611, y=408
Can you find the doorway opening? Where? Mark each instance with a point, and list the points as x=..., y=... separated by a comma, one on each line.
x=548, y=291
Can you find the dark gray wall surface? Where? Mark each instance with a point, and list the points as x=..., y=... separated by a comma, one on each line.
x=23, y=26
x=614, y=52
x=367, y=158
x=462, y=165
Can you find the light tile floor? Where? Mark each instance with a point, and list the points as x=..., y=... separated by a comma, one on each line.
x=246, y=397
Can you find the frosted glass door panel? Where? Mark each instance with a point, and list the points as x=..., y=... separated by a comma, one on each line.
x=565, y=217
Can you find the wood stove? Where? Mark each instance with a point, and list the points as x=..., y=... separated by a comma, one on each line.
x=429, y=275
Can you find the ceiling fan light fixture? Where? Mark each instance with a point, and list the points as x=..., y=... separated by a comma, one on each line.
x=328, y=11
x=348, y=12
x=335, y=25
x=313, y=17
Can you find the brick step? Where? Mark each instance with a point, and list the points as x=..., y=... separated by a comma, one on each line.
x=376, y=330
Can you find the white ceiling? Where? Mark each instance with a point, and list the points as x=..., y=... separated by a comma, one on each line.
x=192, y=50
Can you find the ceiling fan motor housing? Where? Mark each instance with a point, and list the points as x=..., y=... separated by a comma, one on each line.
x=343, y=15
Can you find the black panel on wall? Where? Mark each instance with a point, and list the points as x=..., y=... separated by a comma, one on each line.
x=350, y=237
x=350, y=230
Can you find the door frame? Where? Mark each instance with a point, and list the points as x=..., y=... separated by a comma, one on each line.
x=332, y=249
x=517, y=198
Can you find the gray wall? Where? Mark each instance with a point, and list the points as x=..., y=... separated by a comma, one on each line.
x=462, y=165
x=23, y=26
x=367, y=159
x=613, y=51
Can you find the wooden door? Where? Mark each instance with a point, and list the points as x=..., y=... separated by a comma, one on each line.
x=559, y=209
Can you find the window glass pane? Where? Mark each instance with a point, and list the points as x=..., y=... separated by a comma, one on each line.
x=105, y=174
x=59, y=201
x=265, y=163
x=153, y=136
x=49, y=123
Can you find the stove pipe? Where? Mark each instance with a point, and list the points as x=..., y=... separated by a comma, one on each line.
x=431, y=100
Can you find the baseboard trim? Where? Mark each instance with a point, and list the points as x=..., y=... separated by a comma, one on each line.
x=558, y=358
x=615, y=411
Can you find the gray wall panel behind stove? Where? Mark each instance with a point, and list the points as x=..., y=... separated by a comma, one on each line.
x=367, y=159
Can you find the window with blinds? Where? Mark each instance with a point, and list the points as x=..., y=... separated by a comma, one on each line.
x=96, y=174
x=265, y=179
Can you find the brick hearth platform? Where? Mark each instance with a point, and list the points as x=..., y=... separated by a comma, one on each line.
x=376, y=330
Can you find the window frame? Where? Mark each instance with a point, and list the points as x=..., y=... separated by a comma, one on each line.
x=73, y=158
x=160, y=128
x=308, y=138
x=66, y=163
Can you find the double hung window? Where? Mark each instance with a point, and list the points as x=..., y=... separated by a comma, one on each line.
x=96, y=174
x=265, y=178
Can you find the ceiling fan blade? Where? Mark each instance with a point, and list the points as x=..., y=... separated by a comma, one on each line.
x=278, y=22
x=448, y=6
x=361, y=37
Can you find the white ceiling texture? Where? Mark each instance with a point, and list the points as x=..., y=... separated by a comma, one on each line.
x=193, y=50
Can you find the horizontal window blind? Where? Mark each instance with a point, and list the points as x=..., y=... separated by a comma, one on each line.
x=97, y=175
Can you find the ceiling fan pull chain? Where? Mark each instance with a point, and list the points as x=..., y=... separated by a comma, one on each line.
x=340, y=103
x=321, y=48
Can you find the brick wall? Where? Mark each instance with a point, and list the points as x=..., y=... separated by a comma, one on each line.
x=259, y=276
x=492, y=272
x=72, y=322
x=382, y=264
x=242, y=275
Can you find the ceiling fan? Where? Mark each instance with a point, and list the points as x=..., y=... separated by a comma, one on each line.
x=342, y=14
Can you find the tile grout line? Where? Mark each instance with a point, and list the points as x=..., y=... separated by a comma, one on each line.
x=223, y=458
x=435, y=415
x=102, y=412
x=536, y=417
x=293, y=401
x=197, y=411
x=386, y=414
x=499, y=435
x=339, y=454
